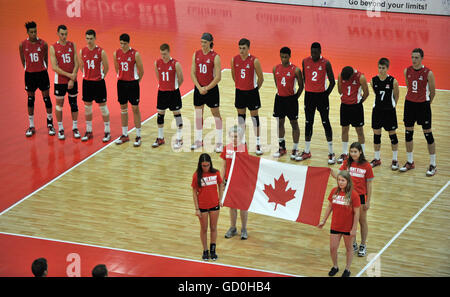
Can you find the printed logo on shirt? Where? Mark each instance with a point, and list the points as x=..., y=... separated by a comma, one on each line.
x=341, y=200
x=209, y=180
x=357, y=172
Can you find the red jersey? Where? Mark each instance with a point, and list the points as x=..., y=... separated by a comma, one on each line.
x=315, y=74
x=360, y=173
x=34, y=55
x=418, y=89
x=351, y=89
x=92, y=63
x=65, y=56
x=286, y=80
x=343, y=214
x=168, y=80
x=208, y=196
x=227, y=154
x=204, y=64
x=127, y=65
x=244, y=73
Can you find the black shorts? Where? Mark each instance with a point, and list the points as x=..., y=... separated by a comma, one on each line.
x=128, y=91
x=362, y=198
x=286, y=106
x=211, y=98
x=210, y=209
x=34, y=80
x=61, y=90
x=384, y=118
x=352, y=114
x=419, y=112
x=169, y=99
x=317, y=101
x=94, y=90
x=339, y=232
x=247, y=99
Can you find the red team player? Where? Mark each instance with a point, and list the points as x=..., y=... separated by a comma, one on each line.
x=421, y=91
x=287, y=76
x=95, y=67
x=34, y=57
x=130, y=70
x=316, y=71
x=351, y=83
x=170, y=77
x=206, y=73
x=248, y=77
x=65, y=64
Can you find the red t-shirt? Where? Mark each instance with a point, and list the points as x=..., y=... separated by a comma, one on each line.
x=227, y=154
x=342, y=217
x=34, y=55
x=127, y=65
x=168, y=80
x=208, y=196
x=418, y=88
x=315, y=74
x=204, y=71
x=65, y=56
x=286, y=80
x=351, y=89
x=244, y=73
x=360, y=173
x=92, y=63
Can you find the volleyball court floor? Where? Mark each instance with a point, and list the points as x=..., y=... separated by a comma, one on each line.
x=29, y=166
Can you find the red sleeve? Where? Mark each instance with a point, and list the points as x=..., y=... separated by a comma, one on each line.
x=330, y=197
x=194, y=183
x=356, y=201
x=219, y=178
x=343, y=166
x=223, y=154
x=369, y=171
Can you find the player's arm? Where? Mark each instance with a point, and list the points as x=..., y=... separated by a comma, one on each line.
x=80, y=61
x=356, y=211
x=406, y=78
x=105, y=63
x=369, y=193
x=139, y=65
x=274, y=77
x=179, y=72
x=232, y=69
x=195, y=198
x=193, y=73
x=431, y=86
x=55, y=66
x=22, y=57
x=217, y=73
x=156, y=71
x=259, y=73
x=326, y=215
x=330, y=76
x=46, y=53
x=365, y=87
x=116, y=64
x=303, y=71
x=76, y=64
x=396, y=91
x=298, y=74
x=339, y=85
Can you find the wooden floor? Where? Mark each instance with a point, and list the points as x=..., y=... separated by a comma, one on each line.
x=140, y=199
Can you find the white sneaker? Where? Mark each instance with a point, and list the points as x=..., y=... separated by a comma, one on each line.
x=107, y=137
x=431, y=170
x=61, y=135
x=178, y=144
x=197, y=144
x=219, y=148
x=137, y=141
x=258, y=151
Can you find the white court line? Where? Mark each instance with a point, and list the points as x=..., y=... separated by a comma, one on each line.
x=402, y=230
x=149, y=254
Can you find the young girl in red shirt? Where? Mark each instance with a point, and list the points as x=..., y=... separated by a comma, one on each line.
x=344, y=202
x=207, y=187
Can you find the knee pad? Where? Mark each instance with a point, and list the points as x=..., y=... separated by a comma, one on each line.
x=31, y=101
x=377, y=138
x=48, y=102
x=409, y=135
x=255, y=120
x=241, y=118
x=88, y=109
x=104, y=110
x=178, y=120
x=160, y=119
x=124, y=111
x=394, y=139
x=73, y=103
x=58, y=107
x=429, y=137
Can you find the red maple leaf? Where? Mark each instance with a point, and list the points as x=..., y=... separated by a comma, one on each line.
x=280, y=194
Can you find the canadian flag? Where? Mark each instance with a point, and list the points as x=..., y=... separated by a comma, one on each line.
x=286, y=191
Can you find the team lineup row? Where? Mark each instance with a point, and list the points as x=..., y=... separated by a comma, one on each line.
x=247, y=74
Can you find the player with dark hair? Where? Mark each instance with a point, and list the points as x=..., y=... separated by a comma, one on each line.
x=65, y=64
x=95, y=67
x=316, y=71
x=129, y=69
x=39, y=267
x=100, y=270
x=33, y=53
x=248, y=77
x=170, y=77
x=421, y=91
x=384, y=114
x=351, y=83
x=286, y=77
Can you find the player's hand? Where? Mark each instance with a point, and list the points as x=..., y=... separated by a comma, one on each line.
x=70, y=84
x=353, y=232
x=73, y=76
x=321, y=224
x=203, y=91
x=198, y=213
x=366, y=206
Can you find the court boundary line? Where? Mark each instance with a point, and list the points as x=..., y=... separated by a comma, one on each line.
x=148, y=254
x=403, y=229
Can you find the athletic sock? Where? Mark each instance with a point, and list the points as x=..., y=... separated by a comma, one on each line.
x=307, y=146
x=31, y=119
x=125, y=130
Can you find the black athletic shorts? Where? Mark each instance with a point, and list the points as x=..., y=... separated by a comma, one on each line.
x=169, y=99
x=362, y=198
x=352, y=114
x=128, y=91
x=247, y=99
x=210, y=209
x=339, y=232
x=384, y=118
x=34, y=80
x=211, y=98
x=286, y=107
x=419, y=112
x=315, y=101
x=61, y=90
x=94, y=90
